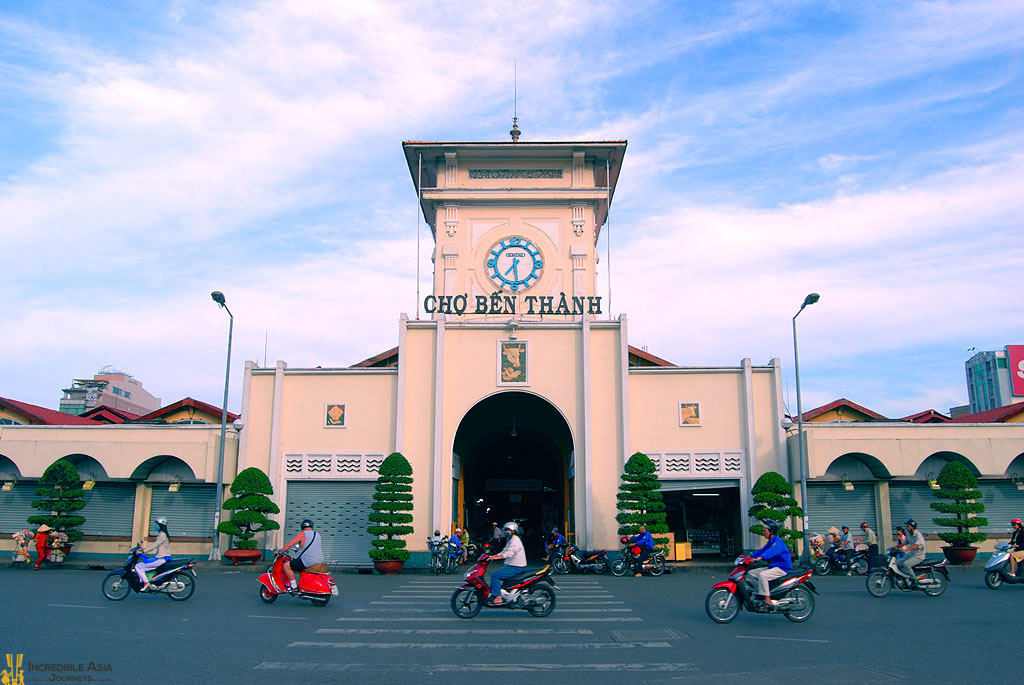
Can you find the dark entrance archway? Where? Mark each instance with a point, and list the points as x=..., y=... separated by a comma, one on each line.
x=513, y=452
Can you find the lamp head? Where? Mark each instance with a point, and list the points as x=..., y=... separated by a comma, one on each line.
x=218, y=297
x=811, y=299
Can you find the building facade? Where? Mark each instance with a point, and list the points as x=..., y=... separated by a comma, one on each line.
x=111, y=388
x=995, y=378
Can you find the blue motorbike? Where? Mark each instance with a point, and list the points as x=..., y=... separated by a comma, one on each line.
x=175, y=578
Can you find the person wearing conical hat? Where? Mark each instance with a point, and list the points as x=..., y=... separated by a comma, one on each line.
x=42, y=538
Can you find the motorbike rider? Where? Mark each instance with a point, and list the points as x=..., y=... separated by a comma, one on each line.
x=1017, y=543
x=915, y=551
x=871, y=540
x=846, y=547
x=557, y=540
x=646, y=543
x=515, y=560
x=455, y=543
x=777, y=554
x=161, y=551
x=311, y=552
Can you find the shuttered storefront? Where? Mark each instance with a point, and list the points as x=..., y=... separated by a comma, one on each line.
x=912, y=501
x=830, y=504
x=16, y=507
x=340, y=512
x=109, y=509
x=189, y=511
x=1003, y=503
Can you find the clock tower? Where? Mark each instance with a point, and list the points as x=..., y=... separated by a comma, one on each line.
x=515, y=225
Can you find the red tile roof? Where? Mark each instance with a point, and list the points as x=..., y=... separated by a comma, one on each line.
x=187, y=402
x=842, y=402
x=997, y=415
x=47, y=417
x=106, y=414
x=926, y=416
x=648, y=357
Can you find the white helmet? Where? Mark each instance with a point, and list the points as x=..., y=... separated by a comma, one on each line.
x=511, y=526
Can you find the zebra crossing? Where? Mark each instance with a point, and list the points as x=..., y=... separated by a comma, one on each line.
x=414, y=616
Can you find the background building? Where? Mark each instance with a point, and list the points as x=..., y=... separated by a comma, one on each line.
x=111, y=388
x=995, y=378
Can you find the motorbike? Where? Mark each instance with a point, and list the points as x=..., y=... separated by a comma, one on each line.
x=529, y=590
x=931, y=576
x=453, y=558
x=572, y=558
x=997, y=570
x=791, y=593
x=835, y=561
x=316, y=586
x=175, y=578
x=630, y=560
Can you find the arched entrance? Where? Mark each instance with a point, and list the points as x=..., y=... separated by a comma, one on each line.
x=512, y=458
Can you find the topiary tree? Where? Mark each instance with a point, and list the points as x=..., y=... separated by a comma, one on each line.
x=773, y=499
x=249, y=506
x=61, y=497
x=639, y=499
x=959, y=489
x=392, y=500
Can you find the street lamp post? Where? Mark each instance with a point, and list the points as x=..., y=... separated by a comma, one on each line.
x=218, y=297
x=805, y=554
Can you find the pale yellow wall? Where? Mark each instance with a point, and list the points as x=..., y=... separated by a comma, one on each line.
x=257, y=422
x=839, y=414
x=190, y=414
x=606, y=434
x=654, y=410
x=418, y=427
x=467, y=162
x=14, y=415
x=369, y=401
x=767, y=428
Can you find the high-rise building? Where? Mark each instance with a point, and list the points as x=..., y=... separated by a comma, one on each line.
x=995, y=378
x=111, y=388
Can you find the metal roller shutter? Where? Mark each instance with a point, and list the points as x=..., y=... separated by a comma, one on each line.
x=189, y=511
x=1003, y=502
x=340, y=512
x=109, y=509
x=16, y=507
x=830, y=504
x=912, y=501
x=698, y=484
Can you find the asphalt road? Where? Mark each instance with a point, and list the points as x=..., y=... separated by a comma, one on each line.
x=400, y=629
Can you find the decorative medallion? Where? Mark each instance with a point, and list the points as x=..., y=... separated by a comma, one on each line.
x=334, y=416
x=689, y=413
x=512, y=362
x=514, y=263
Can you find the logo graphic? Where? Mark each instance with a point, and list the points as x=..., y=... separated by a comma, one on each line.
x=13, y=674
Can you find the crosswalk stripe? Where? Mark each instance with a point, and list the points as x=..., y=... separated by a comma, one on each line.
x=457, y=631
x=487, y=645
x=418, y=602
x=494, y=617
x=431, y=669
x=437, y=611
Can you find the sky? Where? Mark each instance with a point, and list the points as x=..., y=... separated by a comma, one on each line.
x=151, y=153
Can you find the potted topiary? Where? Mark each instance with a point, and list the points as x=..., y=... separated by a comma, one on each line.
x=773, y=499
x=249, y=506
x=640, y=501
x=61, y=495
x=958, y=488
x=390, y=520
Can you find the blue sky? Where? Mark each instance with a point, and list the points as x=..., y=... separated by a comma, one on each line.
x=871, y=152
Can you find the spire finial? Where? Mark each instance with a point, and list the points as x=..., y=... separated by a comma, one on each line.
x=515, y=103
x=515, y=130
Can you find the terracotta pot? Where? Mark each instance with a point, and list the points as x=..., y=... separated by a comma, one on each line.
x=960, y=556
x=237, y=555
x=388, y=568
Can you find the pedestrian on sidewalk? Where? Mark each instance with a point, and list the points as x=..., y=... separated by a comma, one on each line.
x=42, y=543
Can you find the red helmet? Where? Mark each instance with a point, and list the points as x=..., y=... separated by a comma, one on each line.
x=864, y=525
x=623, y=539
x=1016, y=522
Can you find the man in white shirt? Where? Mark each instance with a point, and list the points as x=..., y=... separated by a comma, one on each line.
x=515, y=561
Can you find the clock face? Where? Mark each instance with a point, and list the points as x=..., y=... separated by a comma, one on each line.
x=514, y=263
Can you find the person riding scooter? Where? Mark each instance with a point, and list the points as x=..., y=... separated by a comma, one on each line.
x=515, y=560
x=776, y=553
x=160, y=550
x=645, y=541
x=555, y=542
x=914, y=549
x=310, y=553
x=1017, y=543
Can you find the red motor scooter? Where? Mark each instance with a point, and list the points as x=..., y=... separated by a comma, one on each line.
x=529, y=590
x=315, y=586
x=790, y=593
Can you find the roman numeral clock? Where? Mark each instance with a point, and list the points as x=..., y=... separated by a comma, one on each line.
x=514, y=263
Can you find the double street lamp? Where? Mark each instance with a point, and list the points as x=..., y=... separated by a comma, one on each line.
x=218, y=297
x=802, y=447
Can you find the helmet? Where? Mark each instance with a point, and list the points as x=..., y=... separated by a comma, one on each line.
x=554, y=530
x=623, y=539
x=864, y=525
x=772, y=525
x=1016, y=521
x=458, y=530
x=437, y=532
x=161, y=521
x=910, y=522
x=511, y=526
x=845, y=527
x=306, y=523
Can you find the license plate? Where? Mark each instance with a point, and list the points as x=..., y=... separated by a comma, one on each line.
x=334, y=590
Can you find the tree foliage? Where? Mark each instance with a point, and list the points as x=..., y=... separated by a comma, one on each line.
x=958, y=490
x=640, y=500
x=61, y=496
x=392, y=504
x=249, y=506
x=773, y=499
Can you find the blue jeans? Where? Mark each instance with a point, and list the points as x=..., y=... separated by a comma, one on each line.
x=501, y=573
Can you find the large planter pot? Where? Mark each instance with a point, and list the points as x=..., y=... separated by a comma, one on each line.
x=960, y=556
x=388, y=568
x=237, y=555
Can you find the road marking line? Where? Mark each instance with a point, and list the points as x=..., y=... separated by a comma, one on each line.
x=282, y=618
x=548, y=619
x=457, y=631
x=75, y=606
x=412, y=601
x=438, y=611
x=473, y=645
x=472, y=668
x=787, y=639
